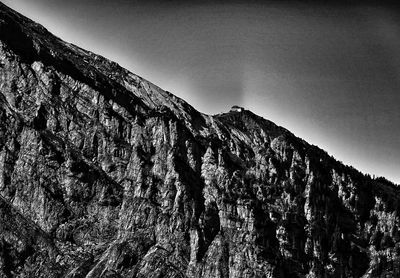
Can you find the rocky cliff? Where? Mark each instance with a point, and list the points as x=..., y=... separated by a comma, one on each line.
x=103, y=174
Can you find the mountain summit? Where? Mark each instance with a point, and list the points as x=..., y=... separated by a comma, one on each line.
x=103, y=174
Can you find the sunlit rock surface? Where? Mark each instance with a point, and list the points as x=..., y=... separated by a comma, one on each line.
x=103, y=174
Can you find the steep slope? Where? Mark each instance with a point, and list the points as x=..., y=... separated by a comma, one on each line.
x=103, y=174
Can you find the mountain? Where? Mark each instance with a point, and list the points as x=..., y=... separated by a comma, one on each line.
x=103, y=174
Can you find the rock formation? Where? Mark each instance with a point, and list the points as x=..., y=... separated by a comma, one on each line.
x=103, y=174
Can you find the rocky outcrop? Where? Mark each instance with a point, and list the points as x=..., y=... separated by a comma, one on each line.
x=103, y=174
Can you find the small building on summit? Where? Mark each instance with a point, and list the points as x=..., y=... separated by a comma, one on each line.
x=236, y=108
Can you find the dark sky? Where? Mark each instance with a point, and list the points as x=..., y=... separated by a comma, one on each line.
x=330, y=74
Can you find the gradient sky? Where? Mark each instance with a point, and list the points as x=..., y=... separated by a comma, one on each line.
x=329, y=74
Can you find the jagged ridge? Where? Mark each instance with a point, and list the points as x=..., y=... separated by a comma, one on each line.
x=103, y=174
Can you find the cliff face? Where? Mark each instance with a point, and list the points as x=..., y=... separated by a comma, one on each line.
x=103, y=174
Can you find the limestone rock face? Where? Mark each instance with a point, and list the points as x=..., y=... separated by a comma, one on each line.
x=103, y=174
